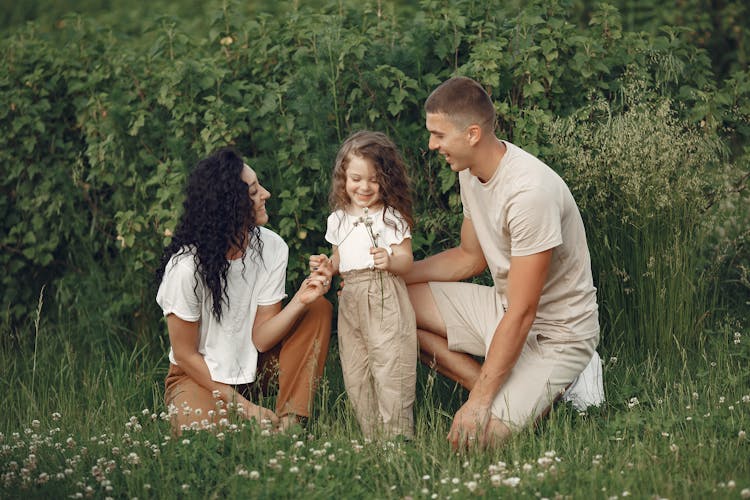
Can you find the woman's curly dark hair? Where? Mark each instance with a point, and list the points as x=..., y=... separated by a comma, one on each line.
x=217, y=215
x=390, y=170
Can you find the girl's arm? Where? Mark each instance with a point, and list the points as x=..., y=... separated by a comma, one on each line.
x=184, y=335
x=399, y=262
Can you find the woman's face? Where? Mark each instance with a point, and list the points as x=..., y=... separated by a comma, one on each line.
x=257, y=193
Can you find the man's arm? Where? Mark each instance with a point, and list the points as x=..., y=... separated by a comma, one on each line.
x=525, y=282
x=461, y=262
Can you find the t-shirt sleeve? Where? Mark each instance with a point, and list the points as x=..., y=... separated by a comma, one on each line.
x=333, y=225
x=178, y=293
x=272, y=290
x=402, y=231
x=534, y=221
x=462, y=180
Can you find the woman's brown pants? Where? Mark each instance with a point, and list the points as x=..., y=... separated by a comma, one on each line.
x=293, y=367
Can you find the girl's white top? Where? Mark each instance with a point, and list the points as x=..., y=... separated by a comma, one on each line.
x=227, y=346
x=353, y=235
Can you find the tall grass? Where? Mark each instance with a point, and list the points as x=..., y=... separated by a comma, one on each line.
x=673, y=427
x=645, y=182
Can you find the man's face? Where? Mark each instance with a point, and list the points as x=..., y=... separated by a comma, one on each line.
x=450, y=141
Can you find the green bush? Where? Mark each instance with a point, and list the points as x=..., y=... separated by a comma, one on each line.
x=104, y=120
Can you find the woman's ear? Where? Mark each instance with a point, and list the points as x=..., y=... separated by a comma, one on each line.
x=474, y=134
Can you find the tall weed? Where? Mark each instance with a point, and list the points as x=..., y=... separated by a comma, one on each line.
x=644, y=180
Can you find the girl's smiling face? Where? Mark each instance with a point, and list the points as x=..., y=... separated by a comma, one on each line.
x=362, y=186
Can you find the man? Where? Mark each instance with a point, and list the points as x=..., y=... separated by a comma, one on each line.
x=537, y=327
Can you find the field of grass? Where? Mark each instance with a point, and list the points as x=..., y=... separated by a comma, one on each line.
x=107, y=110
x=88, y=421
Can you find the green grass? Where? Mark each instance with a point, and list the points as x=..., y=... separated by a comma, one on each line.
x=85, y=422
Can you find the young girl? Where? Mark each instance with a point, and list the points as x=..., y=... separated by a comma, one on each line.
x=370, y=231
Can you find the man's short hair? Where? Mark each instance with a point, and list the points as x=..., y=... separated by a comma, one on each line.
x=464, y=102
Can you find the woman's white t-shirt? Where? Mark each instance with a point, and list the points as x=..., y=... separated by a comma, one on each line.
x=354, y=235
x=227, y=346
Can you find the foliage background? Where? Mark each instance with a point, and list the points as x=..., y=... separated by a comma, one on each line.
x=642, y=107
x=106, y=112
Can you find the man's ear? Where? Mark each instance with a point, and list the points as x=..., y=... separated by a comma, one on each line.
x=474, y=134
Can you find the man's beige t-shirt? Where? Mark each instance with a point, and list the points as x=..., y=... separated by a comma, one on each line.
x=526, y=208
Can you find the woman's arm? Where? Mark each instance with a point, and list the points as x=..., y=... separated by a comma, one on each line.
x=184, y=336
x=272, y=323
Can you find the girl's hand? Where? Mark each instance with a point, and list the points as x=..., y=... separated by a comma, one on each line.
x=381, y=258
x=318, y=262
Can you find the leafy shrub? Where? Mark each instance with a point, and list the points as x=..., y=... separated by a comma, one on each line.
x=105, y=119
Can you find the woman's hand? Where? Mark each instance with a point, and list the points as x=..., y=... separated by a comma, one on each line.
x=266, y=418
x=313, y=287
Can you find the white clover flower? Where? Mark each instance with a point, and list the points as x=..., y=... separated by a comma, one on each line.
x=185, y=487
x=745, y=493
x=544, y=462
x=496, y=479
x=471, y=486
x=742, y=434
x=254, y=475
x=426, y=477
x=512, y=481
x=294, y=469
x=185, y=441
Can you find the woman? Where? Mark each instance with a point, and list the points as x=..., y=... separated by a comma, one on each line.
x=221, y=284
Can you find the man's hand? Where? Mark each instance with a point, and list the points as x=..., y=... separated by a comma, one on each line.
x=469, y=428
